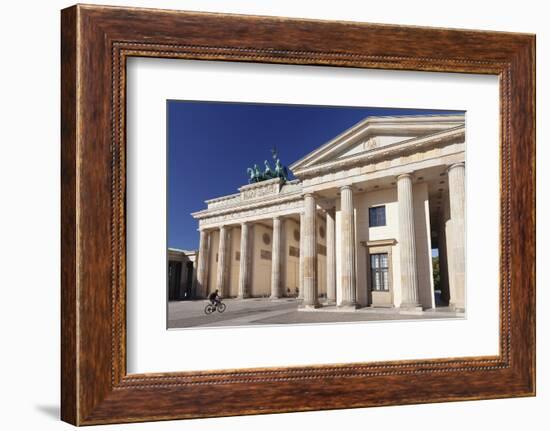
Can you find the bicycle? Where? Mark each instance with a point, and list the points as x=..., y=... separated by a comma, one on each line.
x=210, y=308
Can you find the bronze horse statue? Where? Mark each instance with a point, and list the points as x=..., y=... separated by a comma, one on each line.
x=255, y=175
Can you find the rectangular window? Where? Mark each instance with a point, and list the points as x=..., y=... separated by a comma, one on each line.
x=379, y=272
x=377, y=216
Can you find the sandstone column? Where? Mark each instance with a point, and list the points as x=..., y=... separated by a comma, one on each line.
x=347, y=248
x=310, y=252
x=443, y=257
x=407, y=243
x=301, y=263
x=222, y=276
x=276, y=259
x=244, y=267
x=202, y=264
x=456, y=241
x=331, y=257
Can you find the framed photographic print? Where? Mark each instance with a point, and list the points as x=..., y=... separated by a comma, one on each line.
x=267, y=215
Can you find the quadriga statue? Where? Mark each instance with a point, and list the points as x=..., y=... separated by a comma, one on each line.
x=255, y=175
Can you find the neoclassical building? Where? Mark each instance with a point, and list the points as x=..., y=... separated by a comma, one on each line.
x=355, y=228
x=181, y=274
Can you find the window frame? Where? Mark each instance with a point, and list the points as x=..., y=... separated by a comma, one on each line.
x=374, y=209
x=374, y=271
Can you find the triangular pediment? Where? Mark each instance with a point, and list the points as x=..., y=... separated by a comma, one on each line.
x=369, y=143
x=379, y=133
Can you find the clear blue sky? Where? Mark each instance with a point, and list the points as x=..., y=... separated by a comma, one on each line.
x=211, y=144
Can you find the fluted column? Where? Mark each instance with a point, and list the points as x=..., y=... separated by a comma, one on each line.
x=301, y=263
x=276, y=259
x=221, y=279
x=443, y=255
x=244, y=267
x=331, y=257
x=310, y=252
x=202, y=264
x=347, y=248
x=457, y=259
x=407, y=243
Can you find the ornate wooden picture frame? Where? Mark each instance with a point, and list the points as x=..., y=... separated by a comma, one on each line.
x=96, y=41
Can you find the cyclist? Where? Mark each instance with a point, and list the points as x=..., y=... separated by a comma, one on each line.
x=215, y=298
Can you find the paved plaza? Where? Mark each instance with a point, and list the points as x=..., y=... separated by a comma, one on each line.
x=264, y=311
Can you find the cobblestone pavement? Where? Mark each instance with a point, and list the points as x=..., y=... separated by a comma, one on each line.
x=263, y=311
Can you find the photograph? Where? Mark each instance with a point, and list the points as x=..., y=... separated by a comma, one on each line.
x=287, y=214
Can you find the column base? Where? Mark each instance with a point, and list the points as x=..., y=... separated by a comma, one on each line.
x=459, y=308
x=410, y=307
x=309, y=306
x=348, y=306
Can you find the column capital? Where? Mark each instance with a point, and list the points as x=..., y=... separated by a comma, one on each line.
x=404, y=175
x=456, y=165
x=347, y=187
x=209, y=230
x=309, y=194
